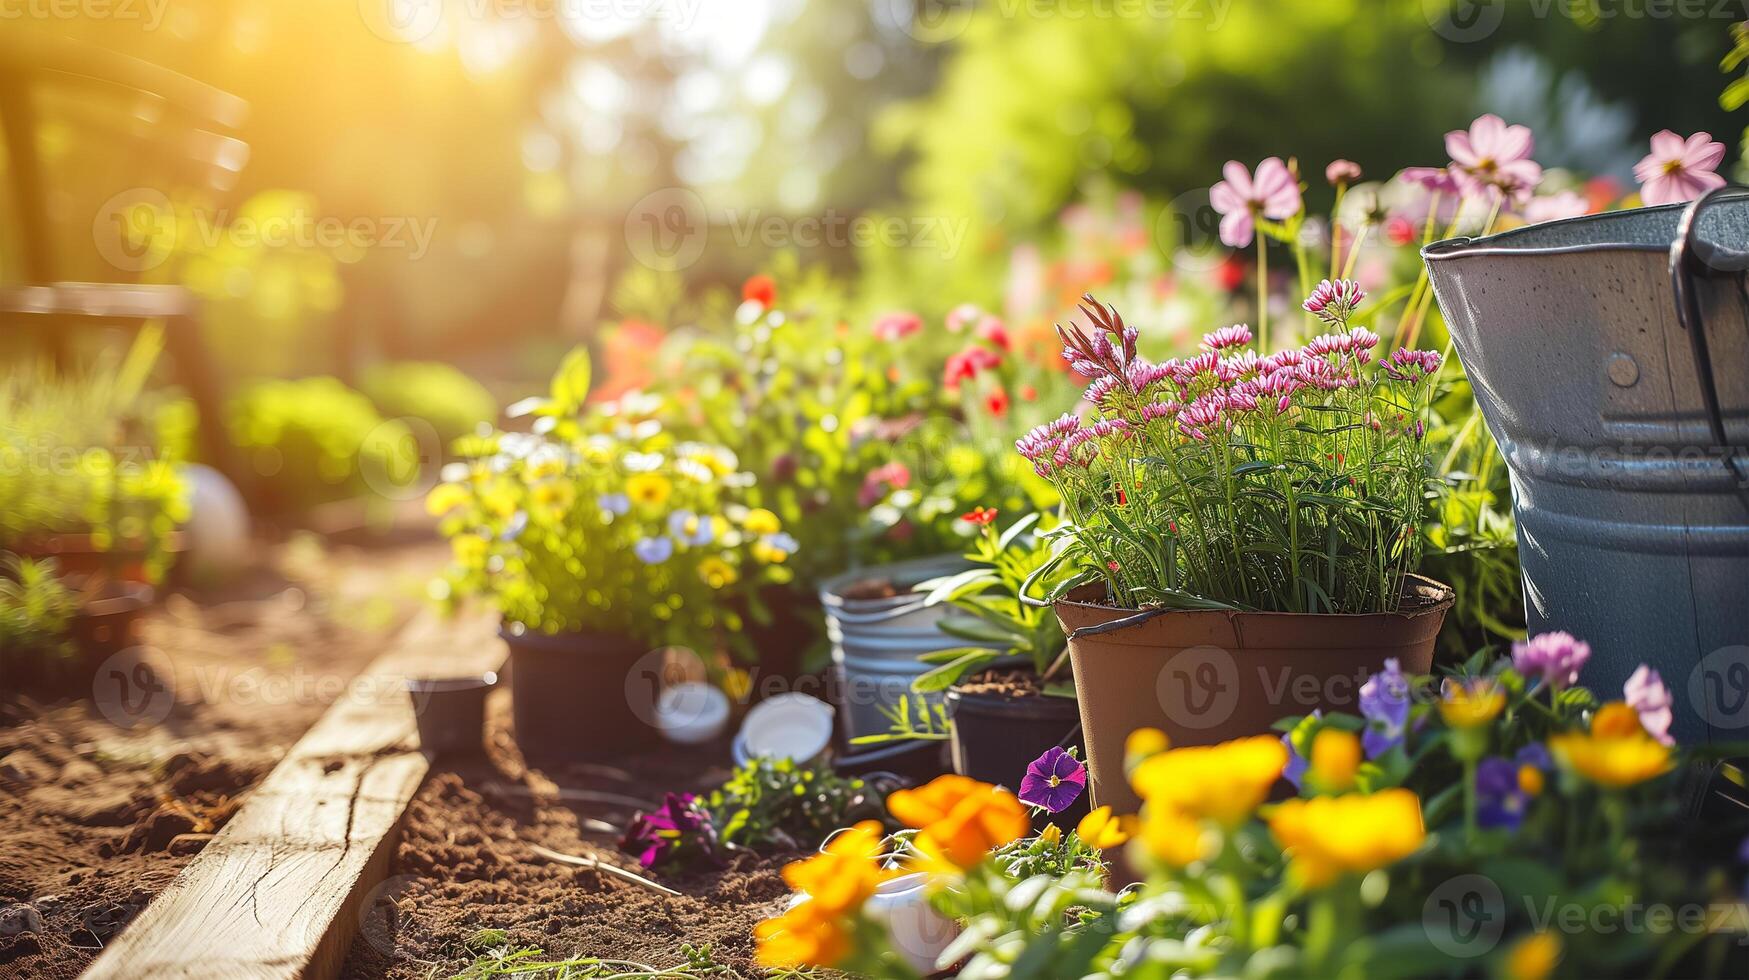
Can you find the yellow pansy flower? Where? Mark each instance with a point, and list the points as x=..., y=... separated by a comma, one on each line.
x=1617, y=752
x=1102, y=830
x=1173, y=837
x=1224, y=782
x=1335, y=759
x=1326, y=837
x=717, y=573
x=762, y=521
x=649, y=489
x=1534, y=957
x=1472, y=705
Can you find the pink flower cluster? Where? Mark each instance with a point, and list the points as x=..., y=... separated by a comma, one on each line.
x=1333, y=302
x=1212, y=391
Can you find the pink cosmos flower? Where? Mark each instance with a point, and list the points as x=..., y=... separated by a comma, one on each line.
x=1645, y=693
x=1493, y=158
x=1561, y=204
x=1679, y=170
x=1273, y=193
x=1435, y=179
x=897, y=326
x=1342, y=172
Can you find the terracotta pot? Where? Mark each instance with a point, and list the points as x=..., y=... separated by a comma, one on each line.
x=1206, y=676
x=996, y=736
x=576, y=696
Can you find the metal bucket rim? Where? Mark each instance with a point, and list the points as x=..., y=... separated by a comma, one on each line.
x=1500, y=243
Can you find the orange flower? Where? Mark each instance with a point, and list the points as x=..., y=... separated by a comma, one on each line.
x=1328, y=836
x=959, y=820
x=837, y=882
x=1616, y=753
x=804, y=936
x=761, y=289
x=1335, y=759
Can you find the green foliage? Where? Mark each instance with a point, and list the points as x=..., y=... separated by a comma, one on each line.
x=315, y=441
x=36, y=611
x=990, y=602
x=496, y=955
x=81, y=454
x=778, y=803
x=454, y=404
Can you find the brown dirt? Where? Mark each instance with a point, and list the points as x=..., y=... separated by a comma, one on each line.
x=465, y=864
x=96, y=819
x=1010, y=682
x=871, y=588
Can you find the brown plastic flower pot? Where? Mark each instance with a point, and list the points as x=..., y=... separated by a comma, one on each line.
x=575, y=696
x=1206, y=676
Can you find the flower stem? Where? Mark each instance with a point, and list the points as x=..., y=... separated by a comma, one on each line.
x=1262, y=294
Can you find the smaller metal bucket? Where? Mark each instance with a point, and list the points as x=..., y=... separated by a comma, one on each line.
x=876, y=642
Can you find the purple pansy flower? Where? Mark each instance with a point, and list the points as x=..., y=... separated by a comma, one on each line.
x=1053, y=780
x=1500, y=800
x=1555, y=657
x=676, y=832
x=1646, y=693
x=1384, y=702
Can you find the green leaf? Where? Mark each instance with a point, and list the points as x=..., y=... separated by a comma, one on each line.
x=571, y=382
x=945, y=676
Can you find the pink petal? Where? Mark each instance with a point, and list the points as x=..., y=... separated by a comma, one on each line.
x=1236, y=229
x=1225, y=199
x=1702, y=153
x=1649, y=167
x=1667, y=145
x=1457, y=146
x=1486, y=135
x=1239, y=178
x=1662, y=189
x=1276, y=186
x=1514, y=143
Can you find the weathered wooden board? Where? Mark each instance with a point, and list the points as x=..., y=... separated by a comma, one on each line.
x=277, y=893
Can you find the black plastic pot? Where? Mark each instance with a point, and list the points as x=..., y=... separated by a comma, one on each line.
x=451, y=712
x=996, y=736
x=574, y=696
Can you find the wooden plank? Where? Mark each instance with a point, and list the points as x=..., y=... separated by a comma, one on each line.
x=276, y=894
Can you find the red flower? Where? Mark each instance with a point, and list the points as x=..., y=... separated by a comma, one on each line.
x=995, y=333
x=1122, y=498
x=894, y=475
x=1230, y=274
x=1400, y=230
x=965, y=365
x=997, y=402
x=761, y=289
x=981, y=516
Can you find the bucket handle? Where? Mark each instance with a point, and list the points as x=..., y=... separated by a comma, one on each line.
x=1685, y=265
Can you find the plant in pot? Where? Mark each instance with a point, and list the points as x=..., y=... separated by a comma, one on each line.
x=1240, y=530
x=598, y=537
x=1012, y=698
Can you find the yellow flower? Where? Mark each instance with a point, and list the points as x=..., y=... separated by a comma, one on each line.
x=1143, y=744
x=768, y=553
x=1224, y=782
x=469, y=549
x=557, y=495
x=1534, y=957
x=1326, y=837
x=1472, y=705
x=1530, y=780
x=446, y=497
x=648, y=489
x=1051, y=834
x=1102, y=830
x=959, y=821
x=762, y=521
x=1173, y=837
x=1617, y=752
x=1335, y=759
x=716, y=572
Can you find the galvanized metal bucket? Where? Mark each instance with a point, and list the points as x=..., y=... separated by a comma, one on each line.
x=1610, y=358
x=876, y=642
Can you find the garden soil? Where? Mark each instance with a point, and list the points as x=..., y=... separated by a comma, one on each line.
x=466, y=862
x=96, y=819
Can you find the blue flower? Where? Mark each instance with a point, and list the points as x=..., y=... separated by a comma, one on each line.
x=691, y=528
x=653, y=551
x=1384, y=701
x=616, y=504
x=783, y=542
